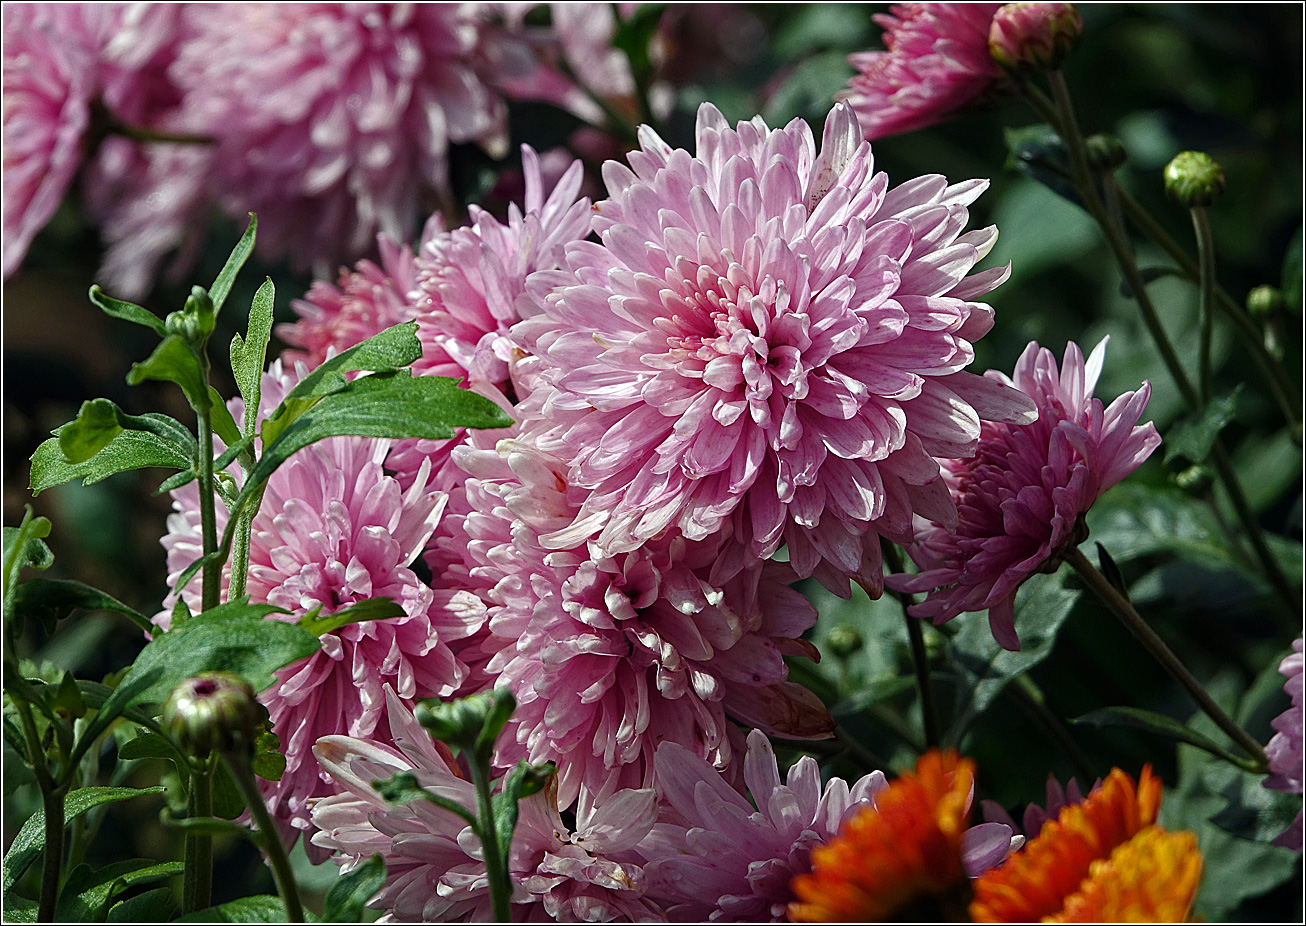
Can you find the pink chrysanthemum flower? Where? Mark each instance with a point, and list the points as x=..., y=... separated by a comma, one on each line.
x=1022, y=497
x=1032, y=820
x=586, y=872
x=335, y=529
x=49, y=81
x=768, y=345
x=713, y=855
x=937, y=61
x=1285, y=747
x=609, y=658
x=335, y=120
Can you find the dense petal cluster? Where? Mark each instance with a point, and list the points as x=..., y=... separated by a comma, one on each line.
x=1285, y=748
x=937, y=62
x=780, y=349
x=332, y=120
x=608, y=658
x=434, y=872
x=1021, y=498
x=334, y=529
x=714, y=855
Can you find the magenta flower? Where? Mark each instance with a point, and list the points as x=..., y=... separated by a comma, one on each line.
x=334, y=121
x=334, y=529
x=608, y=658
x=1032, y=820
x=1285, y=747
x=49, y=81
x=1022, y=497
x=937, y=62
x=585, y=872
x=768, y=346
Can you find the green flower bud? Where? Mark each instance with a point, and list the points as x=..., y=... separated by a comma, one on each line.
x=1194, y=179
x=213, y=711
x=1196, y=480
x=1264, y=301
x=1027, y=37
x=470, y=723
x=537, y=778
x=844, y=640
x=1105, y=153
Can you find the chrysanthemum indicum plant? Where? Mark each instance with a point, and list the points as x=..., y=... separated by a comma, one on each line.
x=632, y=528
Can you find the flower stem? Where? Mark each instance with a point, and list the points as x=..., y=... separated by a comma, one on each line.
x=500, y=891
x=1121, y=608
x=1206, y=287
x=52, y=806
x=197, y=882
x=920, y=659
x=1027, y=694
x=212, y=572
x=268, y=837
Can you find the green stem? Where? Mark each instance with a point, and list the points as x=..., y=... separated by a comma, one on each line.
x=920, y=660
x=1027, y=695
x=500, y=891
x=268, y=838
x=1206, y=287
x=53, y=807
x=197, y=883
x=1246, y=328
x=212, y=573
x=240, y=546
x=1121, y=608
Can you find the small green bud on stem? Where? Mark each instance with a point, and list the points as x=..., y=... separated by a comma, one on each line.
x=1194, y=179
x=214, y=711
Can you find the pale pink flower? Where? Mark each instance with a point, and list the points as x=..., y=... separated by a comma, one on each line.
x=608, y=658
x=1022, y=497
x=50, y=80
x=334, y=529
x=768, y=346
x=715, y=855
x=334, y=121
x=583, y=872
x=1285, y=747
x=937, y=62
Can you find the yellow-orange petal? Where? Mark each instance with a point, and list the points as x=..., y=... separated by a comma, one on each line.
x=1035, y=882
x=1152, y=878
x=902, y=855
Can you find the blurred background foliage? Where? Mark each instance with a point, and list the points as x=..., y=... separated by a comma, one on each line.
x=1223, y=78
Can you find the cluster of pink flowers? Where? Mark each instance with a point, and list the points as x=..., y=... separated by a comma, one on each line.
x=1285, y=747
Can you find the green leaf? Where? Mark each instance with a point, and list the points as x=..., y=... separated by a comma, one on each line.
x=1193, y=437
x=51, y=600
x=370, y=609
x=402, y=788
x=260, y=908
x=87, y=893
x=1038, y=152
x=128, y=311
x=634, y=35
x=29, y=842
x=524, y=780
x=90, y=432
x=68, y=698
x=1255, y=812
x=173, y=362
x=228, y=802
x=155, y=906
x=227, y=276
x=24, y=547
x=269, y=763
x=1292, y=274
x=207, y=826
x=984, y=668
x=129, y=450
x=351, y=892
x=247, y=356
x=1159, y=725
x=223, y=424
x=808, y=87
x=148, y=746
x=1111, y=571
x=1134, y=520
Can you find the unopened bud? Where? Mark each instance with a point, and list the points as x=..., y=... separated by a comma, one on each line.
x=213, y=711
x=1194, y=179
x=1196, y=480
x=1264, y=301
x=470, y=723
x=843, y=641
x=1034, y=36
x=1105, y=153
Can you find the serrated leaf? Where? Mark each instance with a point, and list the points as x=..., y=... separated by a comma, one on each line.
x=128, y=311
x=1193, y=437
x=984, y=668
x=1157, y=724
x=370, y=609
x=87, y=893
x=51, y=600
x=239, y=254
x=29, y=842
x=129, y=450
x=351, y=892
x=173, y=362
x=154, y=906
x=260, y=908
x=247, y=355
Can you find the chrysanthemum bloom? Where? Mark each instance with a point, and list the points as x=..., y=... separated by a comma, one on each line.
x=335, y=529
x=609, y=658
x=768, y=345
x=1285, y=747
x=937, y=62
x=334, y=120
x=1022, y=497
x=1034, y=817
x=1103, y=857
x=714, y=855
x=434, y=871
x=49, y=82
x=1034, y=36
x=901, y=859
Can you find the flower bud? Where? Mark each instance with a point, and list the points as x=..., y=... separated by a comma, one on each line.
x=1196, y=480
x=844, y=640
x=1105, y=153
x=213, y=711
x=1264, y=302
x=1194, y=179
x=470, y=723
x=1034, y=36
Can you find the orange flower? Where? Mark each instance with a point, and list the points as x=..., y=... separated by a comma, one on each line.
x=1101, y=860
x=900, y=859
